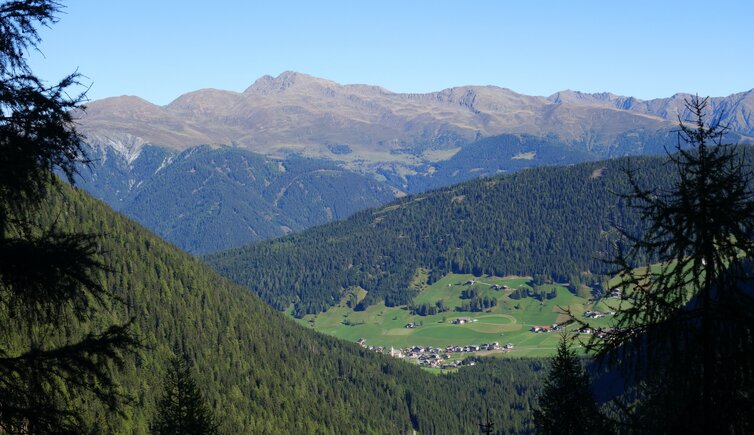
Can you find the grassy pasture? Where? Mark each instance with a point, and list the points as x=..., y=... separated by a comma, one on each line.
x=508, y=322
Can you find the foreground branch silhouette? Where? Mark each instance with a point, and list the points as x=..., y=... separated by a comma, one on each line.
x=684, y=332
x=47, y=276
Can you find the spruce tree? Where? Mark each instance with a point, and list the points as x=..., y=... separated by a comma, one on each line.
x=47, y=276
x=182, y=410
x=567, y=404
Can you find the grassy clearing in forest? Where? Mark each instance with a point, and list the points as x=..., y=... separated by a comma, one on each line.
x=510, y=321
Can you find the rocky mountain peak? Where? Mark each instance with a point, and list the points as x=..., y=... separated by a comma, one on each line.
x=295, y=112
x=285, y=81
x=204, y=101
x=605, y=99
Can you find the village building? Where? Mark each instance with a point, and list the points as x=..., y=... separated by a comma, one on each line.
x=428, y=356
x=460, y=320
x=597, y=314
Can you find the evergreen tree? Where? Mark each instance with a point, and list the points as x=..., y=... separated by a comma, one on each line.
x=487, y=426
x=47, y=276
x=182, y=410
x=567, y=405
x=686, y=334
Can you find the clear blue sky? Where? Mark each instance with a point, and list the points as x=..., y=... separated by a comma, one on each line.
x=159, y=49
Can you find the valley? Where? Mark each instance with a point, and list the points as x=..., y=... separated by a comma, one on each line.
x=293, y=254
x=246, y=354
x=512, y=320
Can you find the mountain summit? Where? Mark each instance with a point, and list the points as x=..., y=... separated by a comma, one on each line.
x=298, y=113
x=401, y=136
x=292, y=80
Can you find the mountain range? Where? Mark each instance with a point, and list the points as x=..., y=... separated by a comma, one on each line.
x=360, y=124
x=294, y=151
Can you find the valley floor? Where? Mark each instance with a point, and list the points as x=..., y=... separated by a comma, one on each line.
x=504, y=330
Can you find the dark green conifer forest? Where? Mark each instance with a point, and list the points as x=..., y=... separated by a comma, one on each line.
x=259, y=371
x=567, y=404
x=181, y=409
x=106, y=328
x=548, y=222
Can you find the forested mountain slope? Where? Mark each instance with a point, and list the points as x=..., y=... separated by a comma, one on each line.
x=494, y=155
x=260, y=371
x=206, y=199
x=552, y=221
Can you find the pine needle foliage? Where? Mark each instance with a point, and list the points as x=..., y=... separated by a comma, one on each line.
x=182, y=409
x=567, y=404
x=47, y=276
x=685, y=329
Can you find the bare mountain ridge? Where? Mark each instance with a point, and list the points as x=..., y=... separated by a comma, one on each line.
x=297, y=113
x=736, y=110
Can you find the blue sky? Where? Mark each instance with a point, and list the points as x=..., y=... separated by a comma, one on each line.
x=160, y=49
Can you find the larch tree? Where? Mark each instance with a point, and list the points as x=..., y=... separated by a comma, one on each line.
x=684, y=331
x=47, y=276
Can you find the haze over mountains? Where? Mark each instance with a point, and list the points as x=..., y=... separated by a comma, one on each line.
x=290, y=151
